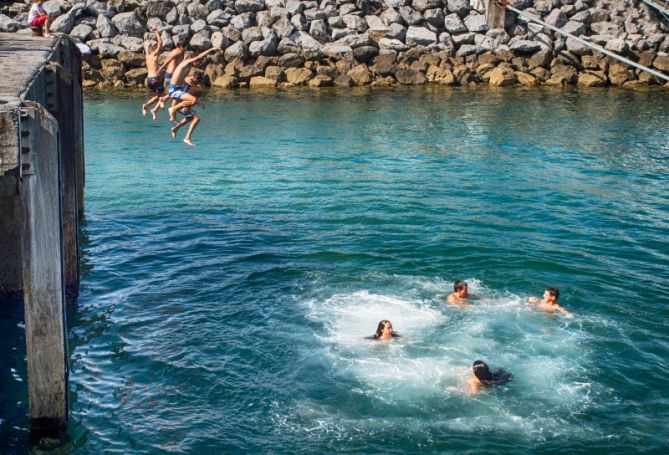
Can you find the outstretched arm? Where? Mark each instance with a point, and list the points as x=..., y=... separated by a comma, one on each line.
x=159, y=48
x=200, y=56
x=565, y=312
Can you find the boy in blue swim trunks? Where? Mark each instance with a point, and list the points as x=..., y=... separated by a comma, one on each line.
x=177, y=88
x=194, y=87
x=153, y=81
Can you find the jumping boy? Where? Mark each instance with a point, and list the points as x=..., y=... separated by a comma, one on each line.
x=549, y=302
x=153, y=81
x=173, y=59
x=177, y=89
x=38, y=17
x=194, y=87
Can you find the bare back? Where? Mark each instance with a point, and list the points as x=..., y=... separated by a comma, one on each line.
x=152, y=63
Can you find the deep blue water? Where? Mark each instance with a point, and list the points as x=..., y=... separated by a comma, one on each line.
x=227, y=288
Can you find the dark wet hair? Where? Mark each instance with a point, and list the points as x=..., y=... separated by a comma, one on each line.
x=490, y=378
x=458, y=285
x=380, y=327
x=555, y=292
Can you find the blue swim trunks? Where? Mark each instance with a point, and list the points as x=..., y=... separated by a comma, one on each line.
x=168, y=78
x=155, y=84
x=176, y=91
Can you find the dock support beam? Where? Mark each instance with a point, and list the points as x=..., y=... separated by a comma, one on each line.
x=42, y=252
x=494, y=14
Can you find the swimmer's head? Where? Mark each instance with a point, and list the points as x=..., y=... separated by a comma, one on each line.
x=481, y=371
x=552, y=294
x=384, y=329
x=193, y=79
x=460, y=287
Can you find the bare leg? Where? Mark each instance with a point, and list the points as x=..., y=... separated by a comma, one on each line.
x=177, y=126
x=149, y=103
x=47, y=31
x=191, y=128
x=160, y=105
x=187, y=100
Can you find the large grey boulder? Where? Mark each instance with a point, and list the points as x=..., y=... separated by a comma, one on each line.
x=244, y=6
x=355, y=23
x=392, y=44
x=105, y=27
x=7, y=24
x=423, y=5
x=265, y=47
x=469, y=49
x=200, y=41
x=219, y=40
x=197, y=11
x=198, y=26
x=410, y=16
x=420, y=36
x=305, y=41
x=337, y=51
x=476, y=23
x=459, y=7
x=242, y=21
x=390, y=16
x=434, y=17
x=129, y=24
x=65, y=22
x=397, y=31
x=251, y=34
x=54, y=8
x=236, y=50
x=82, y=32
x=575, y=28
x=355, y=40
x=453, y=24
x=130, y=43
x=283, y=28
x=219, y=18
x=157, y=8
x=525, y=47
x=319, y=30
x=295, y=7
x=556, y=18
x=104, y=48
x=606, y=28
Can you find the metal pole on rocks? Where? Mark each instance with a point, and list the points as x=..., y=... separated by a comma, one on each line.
x=593, y=46
x=494, y=14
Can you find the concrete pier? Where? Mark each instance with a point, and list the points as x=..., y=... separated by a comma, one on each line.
x=41, y=202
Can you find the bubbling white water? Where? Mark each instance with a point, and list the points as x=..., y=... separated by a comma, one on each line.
x=431, y=361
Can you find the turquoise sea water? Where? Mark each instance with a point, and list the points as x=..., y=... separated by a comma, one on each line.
x=226, y=289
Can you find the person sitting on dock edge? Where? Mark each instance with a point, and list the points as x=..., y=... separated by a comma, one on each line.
x=549, y=302
x=38, y=18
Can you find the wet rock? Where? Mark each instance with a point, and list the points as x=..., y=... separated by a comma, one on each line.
x=225, y=82
x=136, y=76
x=527, y=80
x=440, y=75
x=590, y=80
x=662, y=63
x=298, y=76
x=502, y=76
x=410, y=76
x=321, y=80
x=262, y=82
x=361, y=75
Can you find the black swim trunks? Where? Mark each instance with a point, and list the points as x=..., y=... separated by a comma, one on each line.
x=155, y=84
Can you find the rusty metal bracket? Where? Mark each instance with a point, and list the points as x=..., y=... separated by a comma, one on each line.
x=27, y=141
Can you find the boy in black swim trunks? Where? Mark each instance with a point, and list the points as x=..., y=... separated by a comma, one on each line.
x=153, y=80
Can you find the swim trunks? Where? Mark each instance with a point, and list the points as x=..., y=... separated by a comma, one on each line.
x=168, y=78
x=176, y=91
x=38, y=21
x=155, y=84
x=188, y=114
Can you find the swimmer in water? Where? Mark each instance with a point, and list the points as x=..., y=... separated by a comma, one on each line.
x=461, y=295
x=483, y=377
x=549, y=302
x=384, y=331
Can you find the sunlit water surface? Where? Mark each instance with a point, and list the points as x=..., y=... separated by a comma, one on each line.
x=227, y=288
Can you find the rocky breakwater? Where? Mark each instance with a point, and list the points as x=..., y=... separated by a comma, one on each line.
x=279, y=43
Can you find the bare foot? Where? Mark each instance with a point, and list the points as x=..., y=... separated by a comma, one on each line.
x=48, y=35
x=173, y=117
x=174, y=132
x=153, y=114
x=187, y=141
x=144, y=110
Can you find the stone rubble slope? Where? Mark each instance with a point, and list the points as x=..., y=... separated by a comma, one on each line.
x=270, y=43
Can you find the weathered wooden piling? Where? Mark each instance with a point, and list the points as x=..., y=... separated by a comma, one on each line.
x=41, y=192
x=495, y=14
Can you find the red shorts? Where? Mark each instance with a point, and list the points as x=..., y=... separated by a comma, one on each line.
x=39, y=21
